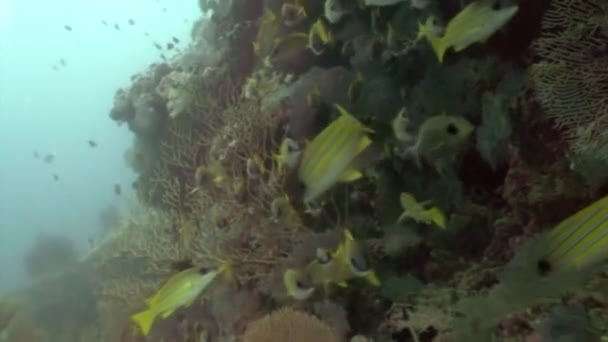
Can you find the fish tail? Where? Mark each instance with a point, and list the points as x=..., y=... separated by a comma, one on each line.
x=288, y=282
x=438, y=46
x=373, y=279
x=437, y=217
x=144, y=320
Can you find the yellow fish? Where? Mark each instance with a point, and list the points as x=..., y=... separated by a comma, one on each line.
x=477, y=22
x=579, y=241
x=255, y=167
x=329, y=156
x=347, y=262
x=269, y=27
x=401, y=124
x=288, y=156
x=288, y=48
x=318, y=37
x=352, y=261
x=281, y=210
x=417, y=211
x=298, y=284
x=181, y=290
x=325, y=269
x=440, y=140
x=293, y=14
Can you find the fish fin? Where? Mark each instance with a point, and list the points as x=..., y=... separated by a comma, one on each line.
x=365, y=142
x=437, y=217
x=144, y=320
x=342, y=283
x=170, y=312
x=402, y=217
x=350, y=175
x=373, y=279
x=438, y=46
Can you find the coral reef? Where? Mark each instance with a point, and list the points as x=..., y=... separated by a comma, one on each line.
x=499, y=142
x=570, y=78
x=289, y=325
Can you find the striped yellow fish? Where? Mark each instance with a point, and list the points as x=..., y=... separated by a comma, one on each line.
x=181, y=290
x=328, y=158
x=475, y=23
x=579, y=241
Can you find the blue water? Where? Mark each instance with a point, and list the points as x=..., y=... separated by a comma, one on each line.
x=58, y=111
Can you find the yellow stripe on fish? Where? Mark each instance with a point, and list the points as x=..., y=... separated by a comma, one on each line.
x=581, y=240
x=328, y=158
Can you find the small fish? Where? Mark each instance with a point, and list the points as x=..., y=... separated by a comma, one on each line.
x=298, y=284
x=354, y=88
x=440, y=140
x=313, y=99
x=175, y=40
x=62, y=62
x=255, y=167
x=165, y=9
x=49, y=158
x=92, y=143
x=334, y=10
x=117, y=27
x=281, y=210
x=477, y=22
x=211, y=174
x=146, y=34
x=352, y=261
x=131, y=21
x=117, y=189
x=329, y=156
x=158, y=46
x=55, y=67
x=394, y=44
x=265, y=39
x=400, y=125
x=170, y=46
x=181, y=290
x=325, y=270
x=288, y=48
x=105, y=23
x=319, y=37
x=68, y=28
x=36, y=155
x=417, y=211
x=579, y=241
x=293, y=14
x=288, y=156
x=55, y=177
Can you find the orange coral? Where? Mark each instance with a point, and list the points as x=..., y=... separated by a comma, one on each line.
x=572, y=77
x=288, y=324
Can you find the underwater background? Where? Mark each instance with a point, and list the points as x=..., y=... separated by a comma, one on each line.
x=304, y=170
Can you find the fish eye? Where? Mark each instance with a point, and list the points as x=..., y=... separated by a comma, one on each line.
x=544, y=267
x=358, y=264
x=452, y=129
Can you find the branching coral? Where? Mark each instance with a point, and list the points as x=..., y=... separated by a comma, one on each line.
x=572, y=76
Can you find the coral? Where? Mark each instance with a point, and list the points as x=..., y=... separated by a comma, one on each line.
x=570, y=78
x=288, y=324
x=173, y=89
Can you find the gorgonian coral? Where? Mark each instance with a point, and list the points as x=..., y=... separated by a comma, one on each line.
x=571, y=78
